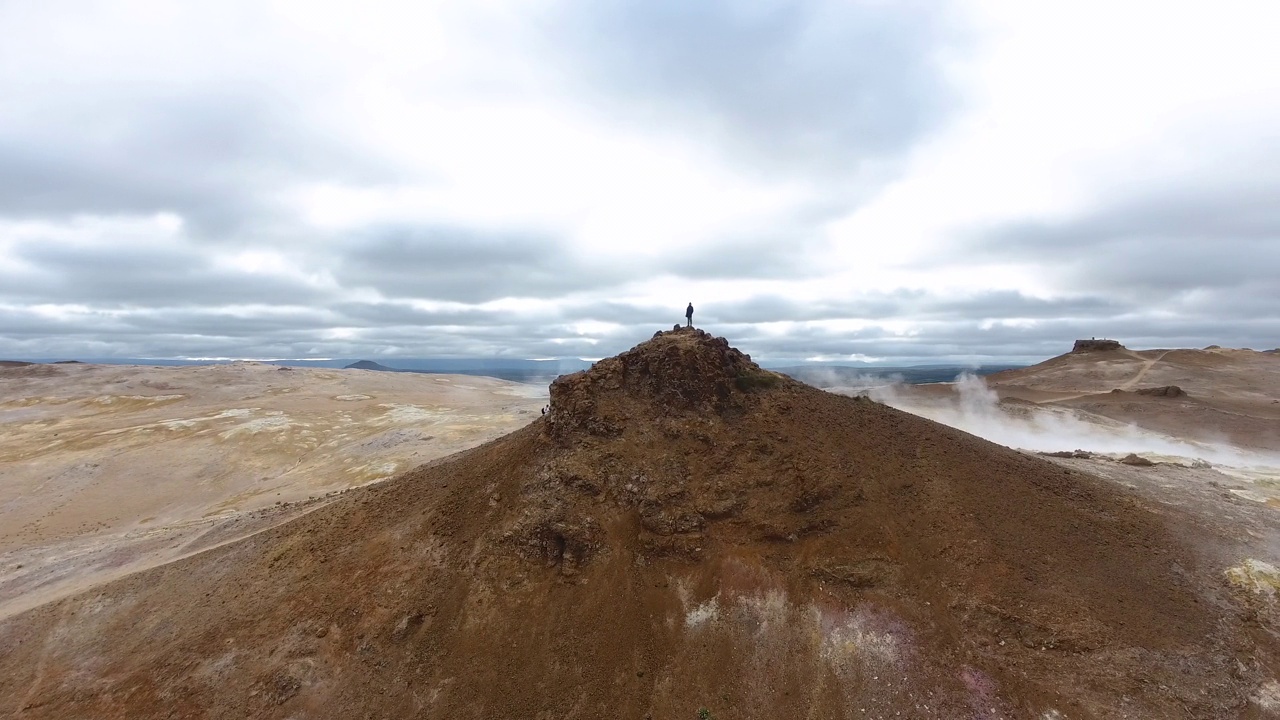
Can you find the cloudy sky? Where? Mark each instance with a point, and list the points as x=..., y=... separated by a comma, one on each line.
x=892, y=180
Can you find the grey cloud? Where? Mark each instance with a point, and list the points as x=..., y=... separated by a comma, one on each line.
x=399, y=314
x=807, y=88
x=779, y=252
x=826, y=96
x=209, y=322
x=129, y=274
x=304, y=332
x=1157, y=246
x=914, y=304
x=1010, y=304
x=209, y=155
x=459, y=264
x=811, y=84
x=941, y=341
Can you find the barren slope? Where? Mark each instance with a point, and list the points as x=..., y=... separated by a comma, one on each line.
x=683, y=531
x=1227, y=395
x=108, y=469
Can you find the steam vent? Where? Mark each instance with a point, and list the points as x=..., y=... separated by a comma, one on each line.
x=683, y=535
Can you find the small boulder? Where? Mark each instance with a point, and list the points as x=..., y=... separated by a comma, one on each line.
x=1136, y=460
x=1076, y=454
x=1168, y=391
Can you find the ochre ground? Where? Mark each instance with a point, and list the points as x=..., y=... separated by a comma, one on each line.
x=108, y=469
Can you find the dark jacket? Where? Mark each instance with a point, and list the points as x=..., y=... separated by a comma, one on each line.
x=688, y=312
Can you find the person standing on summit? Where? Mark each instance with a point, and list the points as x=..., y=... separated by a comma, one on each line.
x=688, y=316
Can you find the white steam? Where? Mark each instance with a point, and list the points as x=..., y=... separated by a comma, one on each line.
x=976, y=409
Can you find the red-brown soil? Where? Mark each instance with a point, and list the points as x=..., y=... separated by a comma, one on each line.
x=683, y=531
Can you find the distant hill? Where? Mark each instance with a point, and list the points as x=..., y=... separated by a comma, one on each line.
x=371, y=365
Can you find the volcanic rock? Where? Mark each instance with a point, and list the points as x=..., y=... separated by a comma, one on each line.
x=1168, y=391
x=1136, y=460
x=1077, y=454
x=1095, y=345
x=682, y=531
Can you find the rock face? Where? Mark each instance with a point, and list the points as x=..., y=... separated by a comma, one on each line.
x=683, y=530
x=1084, y=346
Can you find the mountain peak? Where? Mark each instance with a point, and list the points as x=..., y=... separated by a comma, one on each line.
x=680, y=371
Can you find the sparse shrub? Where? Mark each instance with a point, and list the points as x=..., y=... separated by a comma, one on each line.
x=705, y=714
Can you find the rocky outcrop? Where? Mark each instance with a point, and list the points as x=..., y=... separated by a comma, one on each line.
x=1095, y=345
x=679, y=372
x=1077, y=454
x=1136, y=460
x=1165, y=391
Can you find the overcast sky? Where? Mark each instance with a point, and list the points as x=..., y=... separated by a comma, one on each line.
x=979, y=181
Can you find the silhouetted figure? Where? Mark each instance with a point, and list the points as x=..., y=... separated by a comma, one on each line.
x=688, y=316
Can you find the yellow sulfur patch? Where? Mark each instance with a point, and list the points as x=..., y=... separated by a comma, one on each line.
x=1255, y=576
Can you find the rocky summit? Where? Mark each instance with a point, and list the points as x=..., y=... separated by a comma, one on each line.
x=683, y=535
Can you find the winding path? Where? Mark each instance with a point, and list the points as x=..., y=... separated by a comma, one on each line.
x=1145, y=368
x=1142, y=372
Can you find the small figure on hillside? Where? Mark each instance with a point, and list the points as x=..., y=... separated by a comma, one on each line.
x=688, y=316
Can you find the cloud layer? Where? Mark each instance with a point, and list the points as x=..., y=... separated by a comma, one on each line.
x=965, y=181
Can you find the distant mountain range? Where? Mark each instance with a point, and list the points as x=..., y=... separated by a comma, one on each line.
x=530, y=371
x=544, y=371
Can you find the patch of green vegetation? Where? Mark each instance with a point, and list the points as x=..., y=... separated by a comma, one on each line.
x=705, y=714
x=753, y=380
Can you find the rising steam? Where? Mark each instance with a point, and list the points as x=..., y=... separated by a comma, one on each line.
x=976, y=409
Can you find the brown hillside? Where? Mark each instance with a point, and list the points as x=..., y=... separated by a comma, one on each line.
x=1222, y=394
x=682, y=531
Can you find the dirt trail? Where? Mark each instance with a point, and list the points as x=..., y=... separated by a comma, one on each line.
x=1146, y=367
x=1137, y=378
